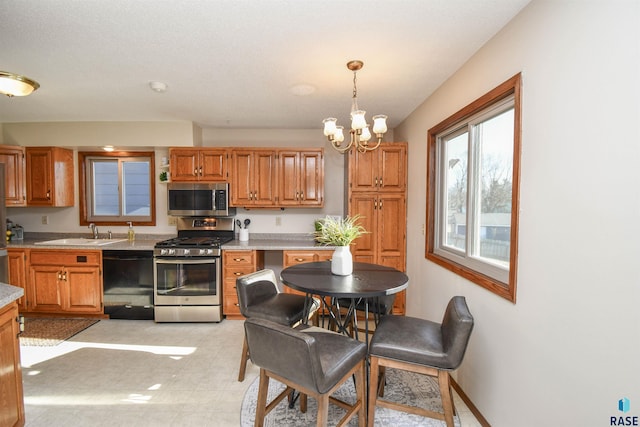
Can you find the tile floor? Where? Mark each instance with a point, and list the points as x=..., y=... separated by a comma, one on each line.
x=141, y=373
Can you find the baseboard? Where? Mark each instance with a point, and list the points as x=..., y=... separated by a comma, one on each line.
x=474, y=410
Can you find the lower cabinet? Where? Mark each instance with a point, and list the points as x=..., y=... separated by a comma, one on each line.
x=17, y=259
x=11, y=395
x=235, y=264
x=65, y=282
x=290, y=258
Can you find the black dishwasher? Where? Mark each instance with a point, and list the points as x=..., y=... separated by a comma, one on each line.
x=128, y=284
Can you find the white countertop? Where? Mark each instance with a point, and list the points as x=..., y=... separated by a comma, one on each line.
x=9, y=294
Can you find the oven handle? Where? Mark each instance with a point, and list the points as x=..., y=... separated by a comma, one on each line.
x=184, y=261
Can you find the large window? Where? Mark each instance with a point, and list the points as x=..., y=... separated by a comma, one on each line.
x=473, y=181
x=117, y=188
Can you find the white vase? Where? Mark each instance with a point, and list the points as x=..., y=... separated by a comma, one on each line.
x=342, y=261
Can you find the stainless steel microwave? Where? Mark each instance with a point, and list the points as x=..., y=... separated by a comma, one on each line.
x=198, y=199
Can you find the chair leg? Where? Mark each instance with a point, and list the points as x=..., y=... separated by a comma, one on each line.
x=323, y=410
x=447, y=398
x=373, y=389
x=261, y=407
x=361, y=395
x=243, y=360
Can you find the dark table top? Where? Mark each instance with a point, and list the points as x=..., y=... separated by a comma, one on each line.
x=367, y=280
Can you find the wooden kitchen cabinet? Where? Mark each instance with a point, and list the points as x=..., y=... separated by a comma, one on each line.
x=17, y=260
x=198, y=164
x=377, y=183
x=296, y=257
x=65, y=281
x=234, y=265
x=301, y=178
x=11, y=394
x=49, y=176
x=384, y=169
x=254, y=179
x=13, y=158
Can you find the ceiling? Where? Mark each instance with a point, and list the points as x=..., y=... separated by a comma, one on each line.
x=233, y=63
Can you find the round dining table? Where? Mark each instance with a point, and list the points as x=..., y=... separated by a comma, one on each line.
x=366, y=284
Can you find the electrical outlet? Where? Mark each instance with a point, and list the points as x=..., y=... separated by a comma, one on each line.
x=45, y=219
x=172, y=220
x=278, y=221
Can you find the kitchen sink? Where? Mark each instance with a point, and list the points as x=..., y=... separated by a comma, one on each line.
x=80, y=241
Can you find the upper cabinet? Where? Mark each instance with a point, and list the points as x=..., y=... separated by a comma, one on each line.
x=14, y=175
x=199, y=164
x=301, y=177
x=49, y=176
x=383, y=169
x=253, y=178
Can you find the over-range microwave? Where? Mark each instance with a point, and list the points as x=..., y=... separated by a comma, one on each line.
x=198, y=199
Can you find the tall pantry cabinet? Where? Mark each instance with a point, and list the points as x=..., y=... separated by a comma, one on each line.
x=377, y=191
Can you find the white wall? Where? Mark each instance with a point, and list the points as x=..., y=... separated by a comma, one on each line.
x=568, y=349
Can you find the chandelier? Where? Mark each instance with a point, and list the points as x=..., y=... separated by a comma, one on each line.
x=15, y=85
x=359, y=133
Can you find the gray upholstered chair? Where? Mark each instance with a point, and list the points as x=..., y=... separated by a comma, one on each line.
x=259, y=296
x=314, y=361
x=421, y=346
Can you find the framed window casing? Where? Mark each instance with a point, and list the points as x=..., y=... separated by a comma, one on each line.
x=116, y=188
x=473, y=181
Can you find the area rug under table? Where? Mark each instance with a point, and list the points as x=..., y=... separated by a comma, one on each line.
x=404, y=387
x=44, y=332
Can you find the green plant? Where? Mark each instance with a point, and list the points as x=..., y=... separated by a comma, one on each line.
x=338, y=231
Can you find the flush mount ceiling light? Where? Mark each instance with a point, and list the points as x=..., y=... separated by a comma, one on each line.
x=360, y=134
x=108, y=148
x=15, y=85
x=158, y=87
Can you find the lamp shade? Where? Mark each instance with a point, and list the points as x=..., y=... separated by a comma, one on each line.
x=15, y=85
x=357, y=120
x=329, y=126
x=379, y=124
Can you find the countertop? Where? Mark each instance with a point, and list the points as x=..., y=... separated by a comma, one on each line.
x=9, y=294
x=257, y=241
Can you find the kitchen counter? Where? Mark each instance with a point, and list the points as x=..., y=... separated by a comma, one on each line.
x=9, y=294
x=257, y=241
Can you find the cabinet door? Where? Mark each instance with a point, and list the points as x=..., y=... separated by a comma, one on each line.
x=311, y=178
x=83, y=292
x=289, y=178
x=242, y=178
x=12, y=401
x=362, y=170
x=213, y=165
x=264, y=178
x=391, y=230
x=17, y=260
x=365, y=205
x=392, y=163
x=14, y=171
x=39, y=177
x=50, y=176
x=184, y=164
x=44, y=288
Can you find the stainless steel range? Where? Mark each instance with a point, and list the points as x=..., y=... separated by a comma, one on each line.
x=188, y=272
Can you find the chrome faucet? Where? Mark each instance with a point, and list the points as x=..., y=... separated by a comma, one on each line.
x=94, y=230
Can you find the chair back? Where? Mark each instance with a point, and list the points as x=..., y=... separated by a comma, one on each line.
x=456, y=328
x=255, y=287
x=284, y=351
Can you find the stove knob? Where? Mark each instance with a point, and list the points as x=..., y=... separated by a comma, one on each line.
x=172, y=252
x=209, y=251
x=202, y=251
x=163, y=251
x=186, y=251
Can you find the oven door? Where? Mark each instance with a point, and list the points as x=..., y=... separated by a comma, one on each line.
x=187, y=281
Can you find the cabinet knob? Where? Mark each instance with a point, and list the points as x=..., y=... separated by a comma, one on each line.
x=238, y=259
x=299, y=259
x=237, y=273
x=195, y=172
